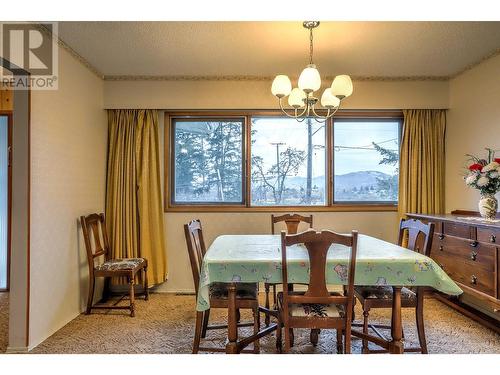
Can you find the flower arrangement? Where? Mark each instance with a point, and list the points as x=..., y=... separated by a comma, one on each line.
x=484, y=174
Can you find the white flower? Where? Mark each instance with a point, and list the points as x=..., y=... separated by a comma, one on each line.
x=490, y=167
x=471, y=179
x=483, y=181
x=494, y=174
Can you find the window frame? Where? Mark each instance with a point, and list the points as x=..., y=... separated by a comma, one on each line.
x=245, y=205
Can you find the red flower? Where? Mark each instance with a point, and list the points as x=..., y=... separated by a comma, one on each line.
x=497, y=160
x=476, y=167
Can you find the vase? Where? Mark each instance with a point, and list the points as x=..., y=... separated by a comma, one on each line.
x=488, y=206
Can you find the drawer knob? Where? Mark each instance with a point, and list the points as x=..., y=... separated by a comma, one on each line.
x=441, y=236
x=496, y=310
x=441, y=248
x=473, y=280
x=493, y=238
x=473, y=255
x=474, y=243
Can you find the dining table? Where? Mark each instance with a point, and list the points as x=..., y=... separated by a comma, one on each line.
x=254, y=258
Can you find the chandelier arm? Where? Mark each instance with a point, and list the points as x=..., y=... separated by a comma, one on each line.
x=289, y=115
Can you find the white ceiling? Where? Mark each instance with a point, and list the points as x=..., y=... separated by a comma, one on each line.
x=361, y=49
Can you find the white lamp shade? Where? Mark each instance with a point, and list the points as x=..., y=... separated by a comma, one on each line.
x=296, y=98
x=281, y=86
x=342, y=86
x=328, y=100
x=309, y=79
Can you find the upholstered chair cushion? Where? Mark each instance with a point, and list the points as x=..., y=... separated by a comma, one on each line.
x=313, y=309
x=120, y=264
x=383, y=292
x=243, y=290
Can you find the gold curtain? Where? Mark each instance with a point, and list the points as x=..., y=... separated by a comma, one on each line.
x=422, y=162
x=134, y=213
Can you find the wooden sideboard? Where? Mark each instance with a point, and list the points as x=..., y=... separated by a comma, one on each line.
x=469, y=252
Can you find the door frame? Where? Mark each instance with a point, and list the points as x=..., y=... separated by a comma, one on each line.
x=9, y=115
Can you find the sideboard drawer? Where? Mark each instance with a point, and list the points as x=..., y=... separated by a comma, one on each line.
x=461, y=271
x=488, y=235
x=457, y=229
x=474, y=253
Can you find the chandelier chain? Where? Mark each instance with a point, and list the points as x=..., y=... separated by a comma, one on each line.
x=310, y=46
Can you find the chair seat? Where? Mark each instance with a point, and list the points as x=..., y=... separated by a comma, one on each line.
x=383, y=293
x=120, y=264
x=315, y=310
x=243, y=290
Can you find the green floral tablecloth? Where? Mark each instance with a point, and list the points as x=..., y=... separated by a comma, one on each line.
x=257, y=258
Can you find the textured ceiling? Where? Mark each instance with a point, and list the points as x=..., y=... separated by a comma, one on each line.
x=361, y=49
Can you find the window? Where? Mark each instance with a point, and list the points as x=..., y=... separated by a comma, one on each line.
x=263, y=161
x=366, y=160
x=288, y=162
x=208, y=161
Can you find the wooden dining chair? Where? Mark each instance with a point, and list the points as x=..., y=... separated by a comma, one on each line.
x=246, y=293
x=97, y=245
x=292, y=222
x=318, y=308
x=418, y=237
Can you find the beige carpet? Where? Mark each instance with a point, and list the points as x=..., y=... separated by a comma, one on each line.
x=165, y=325
x=4, y=321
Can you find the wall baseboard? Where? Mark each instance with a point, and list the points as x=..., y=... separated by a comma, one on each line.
x=17, y=350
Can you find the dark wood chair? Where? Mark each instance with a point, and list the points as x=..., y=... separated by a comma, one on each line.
x=317, y=308
x=246, y=293
x=97, y=245
x=418, y=237
x=292, y=222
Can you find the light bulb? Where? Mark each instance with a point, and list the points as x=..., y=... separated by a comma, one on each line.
x=328, y=100
x=296, y=98
x=281, y=86
x=309, y=79
x=342, y=86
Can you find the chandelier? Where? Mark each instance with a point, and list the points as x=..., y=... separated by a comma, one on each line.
x=302, y=99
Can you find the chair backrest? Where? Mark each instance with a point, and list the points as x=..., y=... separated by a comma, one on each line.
x=292, y=222
x=95, y=237
x=419, y=235
x=196, y=249
x=317, y=245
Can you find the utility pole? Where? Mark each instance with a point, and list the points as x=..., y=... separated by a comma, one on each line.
x=278, y=144
x=309, y=161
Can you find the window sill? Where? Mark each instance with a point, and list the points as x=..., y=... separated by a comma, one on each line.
x=334, y=208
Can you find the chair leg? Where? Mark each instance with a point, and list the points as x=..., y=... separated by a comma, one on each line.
x=90, y=299
x=132, y=295
x=279, y=339
x=288, y=333
x=339, y=342
x=256, y=329
x=197, y=331
x=146, y=287
x=314, y=336
x=238, y=316
x=419, y=312
x=366, y=313
x=292, y=337
x=206, y=316
x=347, y=341
x=267, y=319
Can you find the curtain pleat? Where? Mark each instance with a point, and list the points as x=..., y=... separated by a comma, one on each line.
x=422, y=162
x=134, y=212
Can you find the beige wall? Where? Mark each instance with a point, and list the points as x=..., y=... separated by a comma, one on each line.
x=68, y=153
x=473, y=124
x=256, y=95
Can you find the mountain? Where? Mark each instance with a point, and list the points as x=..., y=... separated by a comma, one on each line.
x=343, y=181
